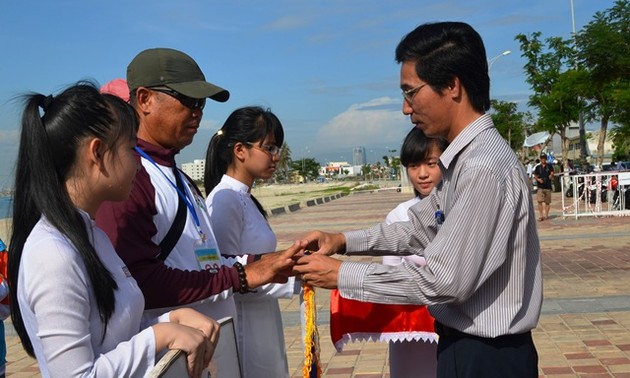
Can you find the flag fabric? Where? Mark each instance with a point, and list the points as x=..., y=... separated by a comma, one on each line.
x=352, y=320
x=5, y=309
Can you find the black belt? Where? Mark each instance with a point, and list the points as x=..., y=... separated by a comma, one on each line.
x=446, y=331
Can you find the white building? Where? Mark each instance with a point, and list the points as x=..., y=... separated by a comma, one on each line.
x=340, y=168
x=195, y=169
x=592, y=138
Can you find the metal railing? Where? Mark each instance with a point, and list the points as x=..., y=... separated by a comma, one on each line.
x=592, y=194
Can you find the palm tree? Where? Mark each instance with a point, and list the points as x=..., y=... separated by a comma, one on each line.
x=283, y=166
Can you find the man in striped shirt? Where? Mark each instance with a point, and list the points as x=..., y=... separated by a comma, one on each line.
x=477, y=230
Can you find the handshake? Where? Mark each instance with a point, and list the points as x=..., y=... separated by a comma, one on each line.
x=308, y=259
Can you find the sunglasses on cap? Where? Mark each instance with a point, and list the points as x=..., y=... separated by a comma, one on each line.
x=189, y=102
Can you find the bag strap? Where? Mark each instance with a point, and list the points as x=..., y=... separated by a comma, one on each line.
x=175, y=232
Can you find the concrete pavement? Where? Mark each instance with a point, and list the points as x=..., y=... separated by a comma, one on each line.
x=584, y=329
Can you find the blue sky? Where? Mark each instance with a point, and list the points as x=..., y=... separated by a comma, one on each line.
x=326, y=68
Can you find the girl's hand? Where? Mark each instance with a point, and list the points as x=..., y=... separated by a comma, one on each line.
x=193, y=342
x=207, y=326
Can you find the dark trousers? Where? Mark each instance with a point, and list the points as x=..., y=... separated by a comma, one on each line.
x=466, y=356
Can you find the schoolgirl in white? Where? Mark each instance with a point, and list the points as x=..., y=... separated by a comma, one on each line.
x=245, y=149
x=77, y=308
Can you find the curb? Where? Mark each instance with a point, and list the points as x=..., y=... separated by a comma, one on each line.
x=308, y=203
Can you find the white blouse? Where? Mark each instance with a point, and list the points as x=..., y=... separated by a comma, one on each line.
x=400, y=214
x=60, y=313
x=239, y=228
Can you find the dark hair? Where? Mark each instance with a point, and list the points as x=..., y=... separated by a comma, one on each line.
x=46, y=157
x=445, y=50
x=249, y=124
x=417, y=146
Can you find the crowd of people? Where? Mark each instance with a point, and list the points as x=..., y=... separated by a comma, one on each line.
x=116, y=256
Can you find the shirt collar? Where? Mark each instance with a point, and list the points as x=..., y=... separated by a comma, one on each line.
x=234, y=184
x=464, y=138
x=162, y=156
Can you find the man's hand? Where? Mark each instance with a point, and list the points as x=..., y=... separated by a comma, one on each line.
x=325, y=243
x=318, y=270
x=273, y=267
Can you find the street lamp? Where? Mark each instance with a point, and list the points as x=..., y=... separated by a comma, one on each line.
x=491, y=61
x=306, y=150
x=581, y=127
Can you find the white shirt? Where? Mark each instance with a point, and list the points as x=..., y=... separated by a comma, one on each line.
x=239, y=227
x=400, y=214
x=60, y=313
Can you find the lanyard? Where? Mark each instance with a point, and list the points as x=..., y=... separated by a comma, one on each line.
x=189, y=204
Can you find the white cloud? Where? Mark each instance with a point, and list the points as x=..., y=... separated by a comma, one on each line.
x=377, y=122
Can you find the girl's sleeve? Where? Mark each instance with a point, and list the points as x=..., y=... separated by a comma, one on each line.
x=56, y=289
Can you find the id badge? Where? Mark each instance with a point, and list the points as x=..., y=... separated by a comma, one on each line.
x=207, y=255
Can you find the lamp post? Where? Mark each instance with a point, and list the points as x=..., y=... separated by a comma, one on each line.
x=491, y=61
x=306, y=150
x=582, y=130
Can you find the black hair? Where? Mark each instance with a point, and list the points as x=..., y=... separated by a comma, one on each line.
x=445, y=50
x=416, y=148
x=46, y=159
x=250, y=124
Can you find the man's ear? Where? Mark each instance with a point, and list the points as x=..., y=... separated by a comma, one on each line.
x=144, y=98
x=454, y=88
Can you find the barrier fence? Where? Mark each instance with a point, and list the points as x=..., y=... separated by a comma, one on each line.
x=596, y=194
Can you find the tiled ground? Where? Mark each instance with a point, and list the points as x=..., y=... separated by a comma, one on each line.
x=584, y=330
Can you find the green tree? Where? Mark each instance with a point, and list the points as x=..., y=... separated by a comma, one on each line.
x=366, y=171
x=603, y=49
x=283, y=166
x=510, y=123
x=555, y=83
x=306, y=167
x=620, y=136
x=386, y=160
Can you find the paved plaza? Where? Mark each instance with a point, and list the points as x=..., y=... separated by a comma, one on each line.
x=584, y=330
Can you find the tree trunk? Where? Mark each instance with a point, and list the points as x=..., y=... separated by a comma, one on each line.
x=602, y=139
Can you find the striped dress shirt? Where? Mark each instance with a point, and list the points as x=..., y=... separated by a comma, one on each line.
x=483, y=274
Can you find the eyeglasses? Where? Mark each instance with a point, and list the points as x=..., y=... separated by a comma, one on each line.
x=189, y=102
x=410, y=93
x=271, y=149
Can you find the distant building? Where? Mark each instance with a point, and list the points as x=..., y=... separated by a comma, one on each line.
x=341, y=168
x=592, y=138
x=195, y=169
x=358, y=156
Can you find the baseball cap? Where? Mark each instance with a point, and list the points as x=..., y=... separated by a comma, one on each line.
x=173, y=69
x=117, y=87
x=543, y=156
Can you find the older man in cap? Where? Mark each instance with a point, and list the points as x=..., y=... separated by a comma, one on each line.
x=162, y=232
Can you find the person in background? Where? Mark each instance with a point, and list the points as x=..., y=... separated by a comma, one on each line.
x=477, y=231
x=5, y=309
x=543, y=174
x=117, y=87
x=246, y=149
x=420, y=156
x=76, y=308
x=162, y=232
x=408, y=328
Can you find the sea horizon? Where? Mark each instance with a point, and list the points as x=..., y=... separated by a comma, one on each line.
x=6, y=206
